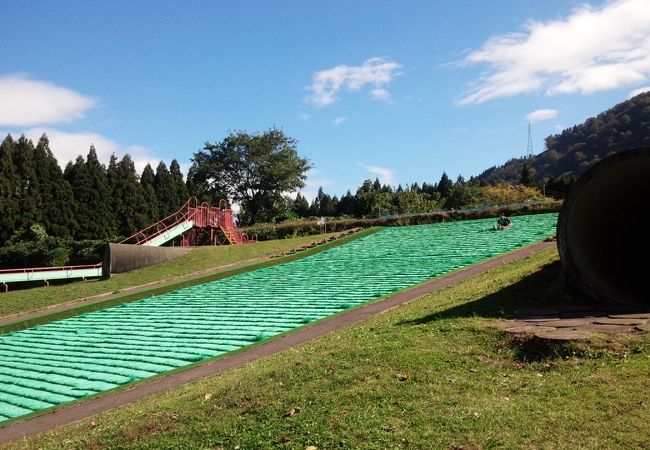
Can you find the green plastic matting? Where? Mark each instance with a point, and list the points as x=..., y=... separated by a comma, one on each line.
x=73, y=358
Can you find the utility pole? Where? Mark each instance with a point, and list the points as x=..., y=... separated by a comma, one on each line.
x=529, y=150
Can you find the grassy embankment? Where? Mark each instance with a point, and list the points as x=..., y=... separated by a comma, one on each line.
x=199, y=259
x=431, y=374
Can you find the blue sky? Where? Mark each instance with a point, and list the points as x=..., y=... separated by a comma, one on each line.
x=395, y=90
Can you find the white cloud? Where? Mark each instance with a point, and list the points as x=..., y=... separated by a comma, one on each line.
x=385, y=175
x=374, y=72
x=540, y=115
x=67, y=146
x=638, y=91
x=339, y=120
x=380, y=94
x=594, y=49
x=25, y=102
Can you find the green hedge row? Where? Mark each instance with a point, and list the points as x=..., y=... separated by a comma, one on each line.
x=51, y=252
x=265, y=232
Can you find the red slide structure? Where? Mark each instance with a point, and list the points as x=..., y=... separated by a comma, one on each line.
x=197, y=224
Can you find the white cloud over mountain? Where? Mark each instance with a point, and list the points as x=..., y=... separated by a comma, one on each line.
x=540, y=115
x=638, y=91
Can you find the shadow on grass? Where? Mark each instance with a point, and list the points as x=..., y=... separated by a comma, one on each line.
x=539, y=294
x=538, y=290
x=528, y=348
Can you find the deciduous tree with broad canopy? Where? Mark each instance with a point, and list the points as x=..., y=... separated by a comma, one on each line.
x=252, y=169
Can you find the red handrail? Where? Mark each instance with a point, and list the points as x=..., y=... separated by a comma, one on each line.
x=184, y=214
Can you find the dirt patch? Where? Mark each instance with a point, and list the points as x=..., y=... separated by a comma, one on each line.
x=577, y=322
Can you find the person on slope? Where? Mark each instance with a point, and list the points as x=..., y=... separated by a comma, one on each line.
x=503, y=222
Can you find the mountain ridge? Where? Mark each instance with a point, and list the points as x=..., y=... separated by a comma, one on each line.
x=570, y=153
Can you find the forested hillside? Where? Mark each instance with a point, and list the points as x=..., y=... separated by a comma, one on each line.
x=570, y=153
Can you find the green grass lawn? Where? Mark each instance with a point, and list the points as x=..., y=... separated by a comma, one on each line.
x=431, y=374
x=199, y=259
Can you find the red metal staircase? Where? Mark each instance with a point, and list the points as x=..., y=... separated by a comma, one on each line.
x=197, y=224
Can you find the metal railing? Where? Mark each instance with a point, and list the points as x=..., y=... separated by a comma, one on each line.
x=184, y=214
x=26, y=274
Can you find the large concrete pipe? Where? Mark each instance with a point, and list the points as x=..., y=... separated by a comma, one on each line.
x=603, y=233
x=119, y=258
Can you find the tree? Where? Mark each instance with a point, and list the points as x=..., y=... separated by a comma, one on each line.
x=28, y=184
x=334, y=206
x=150, y=200
x=129, y=199
x=463, y=195
x=9, y=188
x=328, y=206
x=429, y=189
x=347, y=206
x=101, y=209
x=57, y=199
x=323, y=205
x=182, y=194
x=283, y=210
x=84, y=197
x=559, y=187
x=166, y=191
x=93, y=197
x=381, y=203
x=200, y=188
x=412, y=202
x=526, y=176
x=366, y=187
x=363, y=199
x=253, y=169
x=504, y=194
x=445, y=185
x=300, y=206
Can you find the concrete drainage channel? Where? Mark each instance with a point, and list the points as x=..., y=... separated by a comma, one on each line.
x=74, y=358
